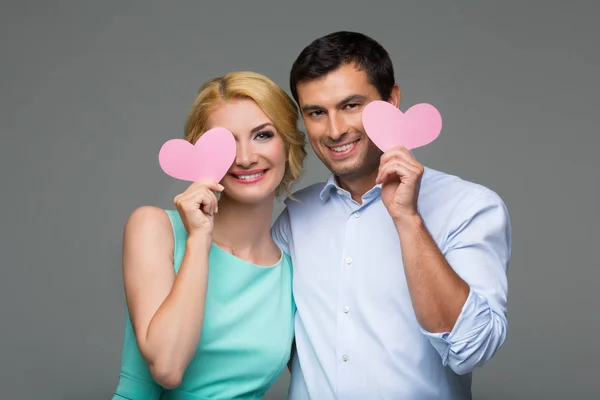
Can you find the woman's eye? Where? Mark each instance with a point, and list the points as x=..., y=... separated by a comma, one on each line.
x=264, y=135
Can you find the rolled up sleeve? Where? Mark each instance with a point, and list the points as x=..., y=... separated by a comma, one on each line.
x=479, y=250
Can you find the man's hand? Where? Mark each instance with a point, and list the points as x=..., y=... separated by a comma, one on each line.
x=437, y=292
x=400, y=175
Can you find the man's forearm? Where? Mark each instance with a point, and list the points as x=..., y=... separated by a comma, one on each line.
x=438, y=293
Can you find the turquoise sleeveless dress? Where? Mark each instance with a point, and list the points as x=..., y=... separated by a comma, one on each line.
x=246, y=335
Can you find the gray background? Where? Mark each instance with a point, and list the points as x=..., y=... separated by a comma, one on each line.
x=89, y=92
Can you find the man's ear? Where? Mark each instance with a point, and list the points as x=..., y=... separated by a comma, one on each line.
x=395, y=96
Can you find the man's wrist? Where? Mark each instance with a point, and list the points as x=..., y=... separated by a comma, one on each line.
x=405, y=222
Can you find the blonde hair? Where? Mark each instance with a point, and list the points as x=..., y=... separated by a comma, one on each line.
x=274, y=102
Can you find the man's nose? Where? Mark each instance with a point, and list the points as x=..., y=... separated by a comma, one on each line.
x=337, y=126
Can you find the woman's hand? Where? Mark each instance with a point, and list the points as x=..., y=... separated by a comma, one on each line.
x=197, y=206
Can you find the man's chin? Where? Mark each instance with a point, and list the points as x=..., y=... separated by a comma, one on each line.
x=346, y=171
x=352, y=170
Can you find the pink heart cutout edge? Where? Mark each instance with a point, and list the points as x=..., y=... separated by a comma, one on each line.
x=209, y=158
x=387, y=126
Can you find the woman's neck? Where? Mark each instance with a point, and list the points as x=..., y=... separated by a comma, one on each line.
x=245, y=229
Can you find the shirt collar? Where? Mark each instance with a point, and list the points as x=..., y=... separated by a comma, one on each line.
x=332, y=186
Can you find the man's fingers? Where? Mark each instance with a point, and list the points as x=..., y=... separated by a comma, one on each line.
x=401, y=169
x=400, y=153
x=386, y=171
x=394, y=152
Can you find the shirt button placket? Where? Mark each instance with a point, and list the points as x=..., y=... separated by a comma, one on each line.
x=346, y=330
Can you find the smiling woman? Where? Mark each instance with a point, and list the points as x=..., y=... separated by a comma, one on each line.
x=209, y=293
x=277, y=107
x=260, y=163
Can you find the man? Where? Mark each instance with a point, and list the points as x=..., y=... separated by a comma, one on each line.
x=399, y=270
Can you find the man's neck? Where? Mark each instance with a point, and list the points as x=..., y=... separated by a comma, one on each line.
x=358, y=186
x=243, y=229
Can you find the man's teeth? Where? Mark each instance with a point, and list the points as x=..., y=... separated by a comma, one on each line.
x=344, y=147
x=248, y=177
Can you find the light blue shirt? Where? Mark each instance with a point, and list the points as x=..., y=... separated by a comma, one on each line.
x=357, y=336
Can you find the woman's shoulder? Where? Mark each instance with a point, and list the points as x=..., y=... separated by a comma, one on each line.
x=148, y=217
x=149, y=221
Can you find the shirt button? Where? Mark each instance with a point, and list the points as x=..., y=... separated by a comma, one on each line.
x=357, y=214
x=346, y=309
x=340, y=192
x=345, y=357
x=349, y=260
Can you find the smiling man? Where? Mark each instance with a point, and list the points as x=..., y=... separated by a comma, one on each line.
x=399, y=270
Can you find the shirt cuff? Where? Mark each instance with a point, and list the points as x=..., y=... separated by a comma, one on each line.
x=474, y=316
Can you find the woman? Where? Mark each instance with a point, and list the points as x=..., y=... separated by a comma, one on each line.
x=209, y=301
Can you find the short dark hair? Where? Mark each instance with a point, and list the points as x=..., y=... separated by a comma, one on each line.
x=330, y=52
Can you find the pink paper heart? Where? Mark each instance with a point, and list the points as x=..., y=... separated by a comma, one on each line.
x=389, y=127
x=209, y=158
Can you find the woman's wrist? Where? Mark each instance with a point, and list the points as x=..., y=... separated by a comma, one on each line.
x=199, y=240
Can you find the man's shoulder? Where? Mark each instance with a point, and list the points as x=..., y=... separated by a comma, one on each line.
x=448, y=188
x=306, y=196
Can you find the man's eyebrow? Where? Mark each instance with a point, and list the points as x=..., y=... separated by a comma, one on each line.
x=311, y=107
x=351, y=98
x=347, y=99
x=258, y=128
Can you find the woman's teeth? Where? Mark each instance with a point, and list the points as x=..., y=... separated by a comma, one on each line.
x=249, y=177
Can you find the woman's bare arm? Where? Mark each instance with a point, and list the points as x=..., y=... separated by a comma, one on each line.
x=166, y=309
